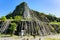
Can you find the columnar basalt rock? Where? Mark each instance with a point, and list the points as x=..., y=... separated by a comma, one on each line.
x=4, y=26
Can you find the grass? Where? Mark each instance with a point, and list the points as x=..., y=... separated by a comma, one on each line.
x=55, y=23
x=4, y=35
x=7, y=35
x=14, y=36
x=51, y=39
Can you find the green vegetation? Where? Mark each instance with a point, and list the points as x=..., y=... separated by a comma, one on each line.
x=18, y=18
x=13, y=28
x=51, y=39
x=11, y=18
x=2, y=35
x=58, y=23
x=3, y=18
x=55, y=26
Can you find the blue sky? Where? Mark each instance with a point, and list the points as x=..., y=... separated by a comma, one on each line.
x=46, y=6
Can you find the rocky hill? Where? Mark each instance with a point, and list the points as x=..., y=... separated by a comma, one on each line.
x=34, y=22
x=19, y=11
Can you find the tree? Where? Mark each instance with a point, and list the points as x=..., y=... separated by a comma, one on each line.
x=51, y=15
x=13, y=28
x=17, y=18
x=3, y=18
x=11, y=18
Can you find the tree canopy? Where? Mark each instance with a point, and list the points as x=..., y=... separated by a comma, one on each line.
x=13, y=27
x=17, y=18
x=3, y=18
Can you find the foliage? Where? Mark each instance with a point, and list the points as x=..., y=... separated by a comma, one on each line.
x=51, y=15
x=55, y=23
x=13, y=28
x=58, y=19
x=3, y=18
x=17, y=18
x=56, y=26
x=11, y=18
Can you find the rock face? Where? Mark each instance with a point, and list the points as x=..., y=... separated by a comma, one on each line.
x=4, y=26
x=26, y=13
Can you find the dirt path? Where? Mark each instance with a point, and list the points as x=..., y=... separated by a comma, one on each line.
x=30, y=38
